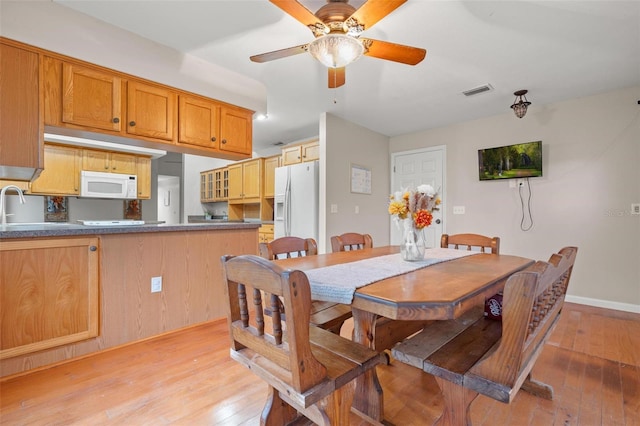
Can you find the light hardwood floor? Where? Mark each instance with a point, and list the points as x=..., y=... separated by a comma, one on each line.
x=187, y=378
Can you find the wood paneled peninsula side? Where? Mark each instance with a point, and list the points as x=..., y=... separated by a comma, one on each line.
x=186, y=256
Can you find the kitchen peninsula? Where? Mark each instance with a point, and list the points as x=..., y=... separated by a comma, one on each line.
x=72, y=290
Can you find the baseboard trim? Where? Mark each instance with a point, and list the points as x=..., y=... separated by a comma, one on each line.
x=607, y=304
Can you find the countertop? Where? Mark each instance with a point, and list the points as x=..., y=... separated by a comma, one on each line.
x=53, y=229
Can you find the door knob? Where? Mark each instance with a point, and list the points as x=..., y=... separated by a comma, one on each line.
x=438, y=221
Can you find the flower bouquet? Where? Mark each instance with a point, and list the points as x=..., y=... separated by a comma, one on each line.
x=414, y=208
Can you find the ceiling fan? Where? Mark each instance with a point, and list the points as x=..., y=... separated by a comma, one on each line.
x=337, y=27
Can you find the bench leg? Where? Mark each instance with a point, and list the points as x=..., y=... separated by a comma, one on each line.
x=537, y=388
x=368, y=399
x=276, y=412
x=457, y=404
x=338, y=404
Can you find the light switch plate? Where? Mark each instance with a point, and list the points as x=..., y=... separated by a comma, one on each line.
x=458, y=209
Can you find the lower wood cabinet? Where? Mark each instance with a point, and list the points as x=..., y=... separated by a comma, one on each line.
x=48, y=293
x=265, y=233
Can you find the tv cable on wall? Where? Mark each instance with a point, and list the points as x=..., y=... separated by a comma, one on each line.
x=523, y=221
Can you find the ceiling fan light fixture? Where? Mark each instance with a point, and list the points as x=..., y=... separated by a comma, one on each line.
x=336, y=50
x=520, y=104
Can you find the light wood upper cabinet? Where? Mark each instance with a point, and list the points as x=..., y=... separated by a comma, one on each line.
x=110, y=162
x=206, y=186
x=245, y=180
x=221, y=184
x=143, y=171
x=199, y=122
x=270, y=164
x=236, y=130
x=56, y=302
x=91, y=98
x=21, y=110
x=61, y=174
x=308, y=151
x=151, y=110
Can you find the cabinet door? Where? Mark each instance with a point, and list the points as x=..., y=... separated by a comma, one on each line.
x=151, y=111
x=235, y=130
x=270, y=165
x=203, y=187
x=20, y=110
x=61, y=174
x=122, y=163
x=199, y=122
x=251, y=179
x=143, y=172
x=90, y=98
x=235, y=182
x=97, y=161
x=310, y=151
x=291, y=155
x=52, y=298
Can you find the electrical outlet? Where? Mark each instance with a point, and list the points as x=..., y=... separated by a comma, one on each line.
x=156, y=284
x=520, y=182
x=334, y=208
x=458, y=209
x=357, y=210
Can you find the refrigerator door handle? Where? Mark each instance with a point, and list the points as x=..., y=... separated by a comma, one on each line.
x=287, y=206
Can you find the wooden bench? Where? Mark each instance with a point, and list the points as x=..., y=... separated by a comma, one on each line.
x=309, y=370
x=473, y=355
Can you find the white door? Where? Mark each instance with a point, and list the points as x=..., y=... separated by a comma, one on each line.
x=169, y=199
x=412, y=168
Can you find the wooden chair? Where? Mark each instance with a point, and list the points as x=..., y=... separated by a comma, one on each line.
x=327, y=315
x=459, y=241
x=351, y=241
x=309, y=370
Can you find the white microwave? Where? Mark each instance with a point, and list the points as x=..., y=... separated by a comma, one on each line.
x=108, y=185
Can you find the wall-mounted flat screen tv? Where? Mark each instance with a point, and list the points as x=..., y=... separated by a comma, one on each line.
x=517, y=161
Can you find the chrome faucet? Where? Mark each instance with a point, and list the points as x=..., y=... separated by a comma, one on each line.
x=3, y=201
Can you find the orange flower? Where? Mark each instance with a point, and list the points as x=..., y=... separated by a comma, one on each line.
x=422, y=218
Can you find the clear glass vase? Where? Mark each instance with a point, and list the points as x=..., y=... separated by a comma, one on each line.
x=413, y=244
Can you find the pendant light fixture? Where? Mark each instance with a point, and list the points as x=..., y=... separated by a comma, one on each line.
x=520, y=104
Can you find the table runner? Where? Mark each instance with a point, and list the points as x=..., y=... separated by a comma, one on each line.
x=338, y=283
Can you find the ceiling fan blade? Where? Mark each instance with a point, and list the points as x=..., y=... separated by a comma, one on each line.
x=336, y=77
x=282, y=53
x=393, y=52
x=300, y=13
x=374, y=10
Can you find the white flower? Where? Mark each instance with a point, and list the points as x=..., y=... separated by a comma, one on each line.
x=426, y=190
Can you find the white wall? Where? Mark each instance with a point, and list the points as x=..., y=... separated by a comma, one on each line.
x=591, y=152
x=341, y=144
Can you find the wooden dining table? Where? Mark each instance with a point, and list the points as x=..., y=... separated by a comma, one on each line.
x=442, y=291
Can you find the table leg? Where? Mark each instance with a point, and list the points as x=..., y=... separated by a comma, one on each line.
x=368, y=397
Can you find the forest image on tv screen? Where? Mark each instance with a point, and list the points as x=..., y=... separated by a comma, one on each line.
x=513, y=161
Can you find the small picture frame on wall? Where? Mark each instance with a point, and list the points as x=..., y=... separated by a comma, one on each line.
x=132, y=209
x=360, y=179
x=56, y=209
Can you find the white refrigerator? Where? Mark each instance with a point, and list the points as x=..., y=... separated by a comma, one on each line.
x=296, y=201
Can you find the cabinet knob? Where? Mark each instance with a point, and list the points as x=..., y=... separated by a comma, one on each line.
x=224, y=141
x=93, y=248
x=132, y=123
x=116, y=120
x=213, y=139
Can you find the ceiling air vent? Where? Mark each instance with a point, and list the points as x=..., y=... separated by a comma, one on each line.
x=279, y=143
x=478, y=90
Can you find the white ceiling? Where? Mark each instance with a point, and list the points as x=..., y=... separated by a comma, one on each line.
x=556, y=49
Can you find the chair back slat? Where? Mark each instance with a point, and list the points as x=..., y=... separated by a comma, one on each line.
x=287, y=247
x=470, y=242
x=351, y=241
